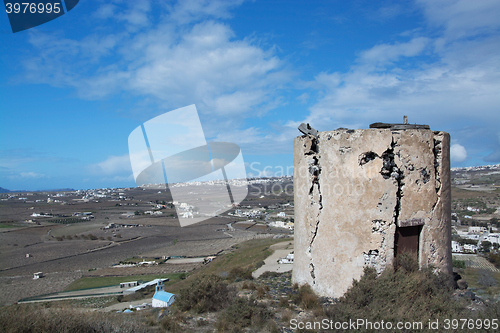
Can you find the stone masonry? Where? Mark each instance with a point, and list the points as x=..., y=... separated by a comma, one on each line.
x=362, y=196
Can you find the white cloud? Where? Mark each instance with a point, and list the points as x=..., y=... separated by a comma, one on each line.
x=389, y=52
x=258, y=141
x=457, y=84
x=117, y=179
x=220, y=75
x=186, y=11
x=113, y=165
x=457, y=153
x=134, y=13
x=24, y=175
x=303, y=98
x=105, y=11
x=187, y=57
x=461, y=18
x=32, y=175
x=177, y=65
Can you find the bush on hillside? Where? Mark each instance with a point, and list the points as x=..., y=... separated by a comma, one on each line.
x=205, y=294
x=402, y=295
x=239, y=273
x=458, y=263
x=245, y=312
x=33, y=318
x=306, y=298
x=494, y=258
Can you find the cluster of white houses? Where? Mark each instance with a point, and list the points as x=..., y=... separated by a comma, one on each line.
x=476, y=234
x=282, y=224
x=286, y=260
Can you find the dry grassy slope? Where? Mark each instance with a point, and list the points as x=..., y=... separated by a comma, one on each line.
x=244, y=255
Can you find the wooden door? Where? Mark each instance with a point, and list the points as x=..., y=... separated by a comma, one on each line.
x=406, y=240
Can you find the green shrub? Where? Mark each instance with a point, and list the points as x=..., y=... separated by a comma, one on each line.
x=239, y=273
x=458, y=263
x=406, y=261
x=34, y=318
x=259, y=264
x=243, y=312
x=261, y=291
x=172, y=322
x=249, y=285
x=306, y=298
x=283, y=302
x=397, y=295
x=204, y=294
x=494, y=258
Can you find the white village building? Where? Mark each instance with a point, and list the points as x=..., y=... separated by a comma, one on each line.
x=470, y=248
x=456, y=247
x=162, y=299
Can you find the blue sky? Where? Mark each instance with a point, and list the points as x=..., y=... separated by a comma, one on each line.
x=73, y=89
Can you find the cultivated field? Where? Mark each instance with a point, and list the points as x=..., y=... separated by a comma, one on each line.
x=65, y=252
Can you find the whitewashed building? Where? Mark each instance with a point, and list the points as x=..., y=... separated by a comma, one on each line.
x=470, y=248
x=456, y=247
x=161, y=298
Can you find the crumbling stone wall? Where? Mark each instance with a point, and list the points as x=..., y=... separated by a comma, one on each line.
x=353, y=188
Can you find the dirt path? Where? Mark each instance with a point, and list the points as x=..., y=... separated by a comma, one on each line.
x=76, y=294
x=271, y=263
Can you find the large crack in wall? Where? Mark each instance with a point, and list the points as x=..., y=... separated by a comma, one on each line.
x=315, y=188
x=437, y=152
x=391, y=170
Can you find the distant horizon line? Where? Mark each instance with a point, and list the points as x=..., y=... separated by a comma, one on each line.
x=4, y=190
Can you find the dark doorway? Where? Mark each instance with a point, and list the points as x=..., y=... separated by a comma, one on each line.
x=406, y=240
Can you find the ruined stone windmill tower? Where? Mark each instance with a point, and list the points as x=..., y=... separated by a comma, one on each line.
x=364, y=196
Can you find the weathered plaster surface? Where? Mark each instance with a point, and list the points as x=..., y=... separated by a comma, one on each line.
x=353, y=187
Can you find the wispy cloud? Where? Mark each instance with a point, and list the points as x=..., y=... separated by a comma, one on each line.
x=13, y=158
x=442, y=81
x=178, y=65
x=187, y=11
x=25, y=175
x=383, y=53
x=32, y=175
x=113, y=165
x=462, y=18
x=442, y=73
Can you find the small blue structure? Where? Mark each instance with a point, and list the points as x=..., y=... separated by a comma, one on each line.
x=161, y=298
